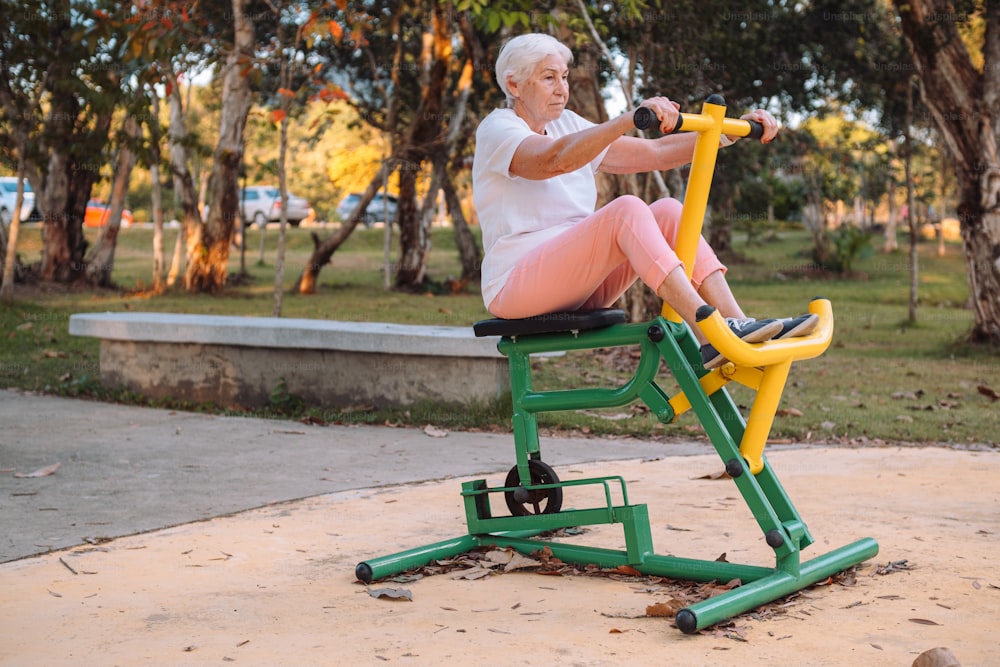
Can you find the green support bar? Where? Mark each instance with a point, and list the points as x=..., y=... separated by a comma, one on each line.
x=773, y=586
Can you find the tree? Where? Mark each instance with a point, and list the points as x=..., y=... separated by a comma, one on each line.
x=208, y=246
x=289, y=58
x=101, y=259
x=63, y=64
x=417, y=72
x=962, y=91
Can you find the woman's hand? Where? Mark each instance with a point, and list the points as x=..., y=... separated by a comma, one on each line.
x=667, y=112
x=767, y=120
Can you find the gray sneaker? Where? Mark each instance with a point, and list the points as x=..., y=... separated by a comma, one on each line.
x=792, y=327
x=749, y=330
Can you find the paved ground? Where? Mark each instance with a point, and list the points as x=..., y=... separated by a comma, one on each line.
x=235, y=540
x=125, y=470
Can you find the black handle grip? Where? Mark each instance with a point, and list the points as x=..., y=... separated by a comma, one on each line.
x=644, y=118
x=756, y=129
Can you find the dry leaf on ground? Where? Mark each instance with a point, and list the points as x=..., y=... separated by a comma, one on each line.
x=391, y=593
x=41, y=472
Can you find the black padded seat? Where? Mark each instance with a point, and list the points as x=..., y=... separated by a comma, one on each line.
x=581, y=320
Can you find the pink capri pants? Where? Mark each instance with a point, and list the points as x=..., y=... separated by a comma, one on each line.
x=592, y=264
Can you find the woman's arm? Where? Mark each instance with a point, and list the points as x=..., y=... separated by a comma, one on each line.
x=631, y=155
x=539, y=157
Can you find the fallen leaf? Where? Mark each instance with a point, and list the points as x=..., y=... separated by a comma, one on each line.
x=55, y=354
x=41, y=472
x=616, y=631
x=391, y=593
x=988, y=392
x=664, y=609
x=789, y=412
x=923, y=621
x=893, y=566
x=500, y=556
x=519, y=562
x=471, y=574
x=435, y=432
x=715, y=475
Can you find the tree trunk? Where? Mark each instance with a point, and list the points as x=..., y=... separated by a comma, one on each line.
x=323, y=250
x=8, y=245
x=951, y=82
x=911, y=218
x=101, y=260
x=183, y=181
x=891, y=244
x=157, y=193
x=468, y=249
x=208, y=254
x=65, y=194
x=425, y=129
x=279, y=261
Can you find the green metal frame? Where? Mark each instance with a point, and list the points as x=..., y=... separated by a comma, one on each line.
x=659, y=339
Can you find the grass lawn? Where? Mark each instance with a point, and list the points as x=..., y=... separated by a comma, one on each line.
x=881, y=379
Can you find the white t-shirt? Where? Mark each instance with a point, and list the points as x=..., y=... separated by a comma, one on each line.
x=517, y=214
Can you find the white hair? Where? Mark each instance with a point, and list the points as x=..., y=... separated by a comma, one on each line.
x=520, y=55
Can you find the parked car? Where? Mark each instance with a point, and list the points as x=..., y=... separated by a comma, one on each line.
x=376, y=209
x=262, y=204
x=8, y=199
x=98, y=213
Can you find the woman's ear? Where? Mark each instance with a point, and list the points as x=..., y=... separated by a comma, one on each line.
x=512, y=86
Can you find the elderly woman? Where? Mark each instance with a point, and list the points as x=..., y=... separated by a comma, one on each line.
x=546, y=248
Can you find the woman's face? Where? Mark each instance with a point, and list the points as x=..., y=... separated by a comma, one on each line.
x=543, y=95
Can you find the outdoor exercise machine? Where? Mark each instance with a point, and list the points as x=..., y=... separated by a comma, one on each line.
x=534, y=494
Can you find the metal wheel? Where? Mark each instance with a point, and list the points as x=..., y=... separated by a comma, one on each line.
x=522, y=502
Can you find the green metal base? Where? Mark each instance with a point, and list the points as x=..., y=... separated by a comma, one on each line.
x=759, y=585
x=659, y=341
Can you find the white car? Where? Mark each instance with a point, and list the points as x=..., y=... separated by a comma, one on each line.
x=262, y=204
x=8, y=199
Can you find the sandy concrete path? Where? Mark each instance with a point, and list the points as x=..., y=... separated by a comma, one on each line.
x=275, y=585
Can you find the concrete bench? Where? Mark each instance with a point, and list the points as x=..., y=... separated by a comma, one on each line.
x=240, y=361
